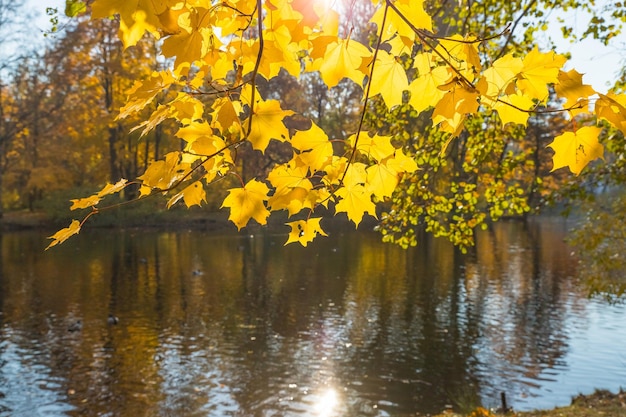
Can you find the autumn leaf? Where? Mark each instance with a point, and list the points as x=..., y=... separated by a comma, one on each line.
x=335, y=170
x=343, y=60
x=292, y=186
x=82, y=203
x=186, y=108
x=64, y=234
x=452, y=109
x=93, y=200
x=162, y=174
x=194, y=130
x=304, y=231
x=571, y=87
x=501, y=73
x=267, y=124
x=355, y=202
x=576, y=149
x=143, y=92
x=192, y=195
x=375, y=147
x=425, y=91
x=514, y=108
x=381, y=180
x=136, y=17
x=389, y=79
x=538, y=70
x=463, y=52
x=395, y=24
x=316, y=149
x=401, y=162
x=113, y=188
x=247, y=203
x=612, y=108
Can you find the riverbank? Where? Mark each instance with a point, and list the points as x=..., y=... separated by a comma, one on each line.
x=601, y=403
x=19, y=220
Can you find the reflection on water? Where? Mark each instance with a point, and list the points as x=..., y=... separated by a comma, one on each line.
x=243, y=326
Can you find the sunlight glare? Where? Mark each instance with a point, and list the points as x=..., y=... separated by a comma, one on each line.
x=327, y=404
x=329, y=4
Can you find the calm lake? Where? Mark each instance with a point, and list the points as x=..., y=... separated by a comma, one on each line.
x=240, y=325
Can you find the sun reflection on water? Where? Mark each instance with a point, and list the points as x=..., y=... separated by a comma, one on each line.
x=327, y=404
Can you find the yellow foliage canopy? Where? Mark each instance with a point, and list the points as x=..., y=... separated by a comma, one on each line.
x=220, y=50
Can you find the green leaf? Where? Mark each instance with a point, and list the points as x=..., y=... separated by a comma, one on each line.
x=74, y=7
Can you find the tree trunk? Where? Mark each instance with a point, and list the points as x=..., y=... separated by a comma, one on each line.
x=113, y=158
x=1, y=191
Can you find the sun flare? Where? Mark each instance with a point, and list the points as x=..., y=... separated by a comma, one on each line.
x=327, y=403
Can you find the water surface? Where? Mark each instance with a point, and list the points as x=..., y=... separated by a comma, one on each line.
x=240, y=325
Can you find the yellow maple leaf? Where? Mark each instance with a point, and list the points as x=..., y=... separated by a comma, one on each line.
x=538, y=70
x=187, y=47
x=463, y=53
x=511, y=108
x=208, y=146
x=381, y=180
x=316, y=149
x=293, y=199
x=401, y=163
x=64, y=234
x=267, y=124
x=162, y=113
x=186, y=108
x=612, y=108
x=576, y=149
x=162, y=174
x=395, y=24
x=355, y=202
x=226, y=117
x=304, y=231
x=86, y=202
x=375, y=147
x=389, y=79
x=291, y=185
x=355, y=174
x=112, y=188
x=194, y=130
x=452, y=109
x=425, y=91
x=343, y=59
x=192, y=195
x=501, y=73
x=136, y=17
x=143, y=92
x=274, y=58
x=570, y=86
x=247, y=203
x=334, y=170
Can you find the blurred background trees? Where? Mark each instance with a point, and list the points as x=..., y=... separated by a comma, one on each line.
x=60, y=95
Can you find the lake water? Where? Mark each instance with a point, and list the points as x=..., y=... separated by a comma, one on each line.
x=240, y=325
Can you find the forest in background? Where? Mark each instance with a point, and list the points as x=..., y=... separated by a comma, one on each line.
x=60, y=137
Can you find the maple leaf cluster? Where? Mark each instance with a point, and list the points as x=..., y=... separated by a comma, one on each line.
x=220, y=50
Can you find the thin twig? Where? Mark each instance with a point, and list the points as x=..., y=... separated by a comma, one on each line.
x=366, y=99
